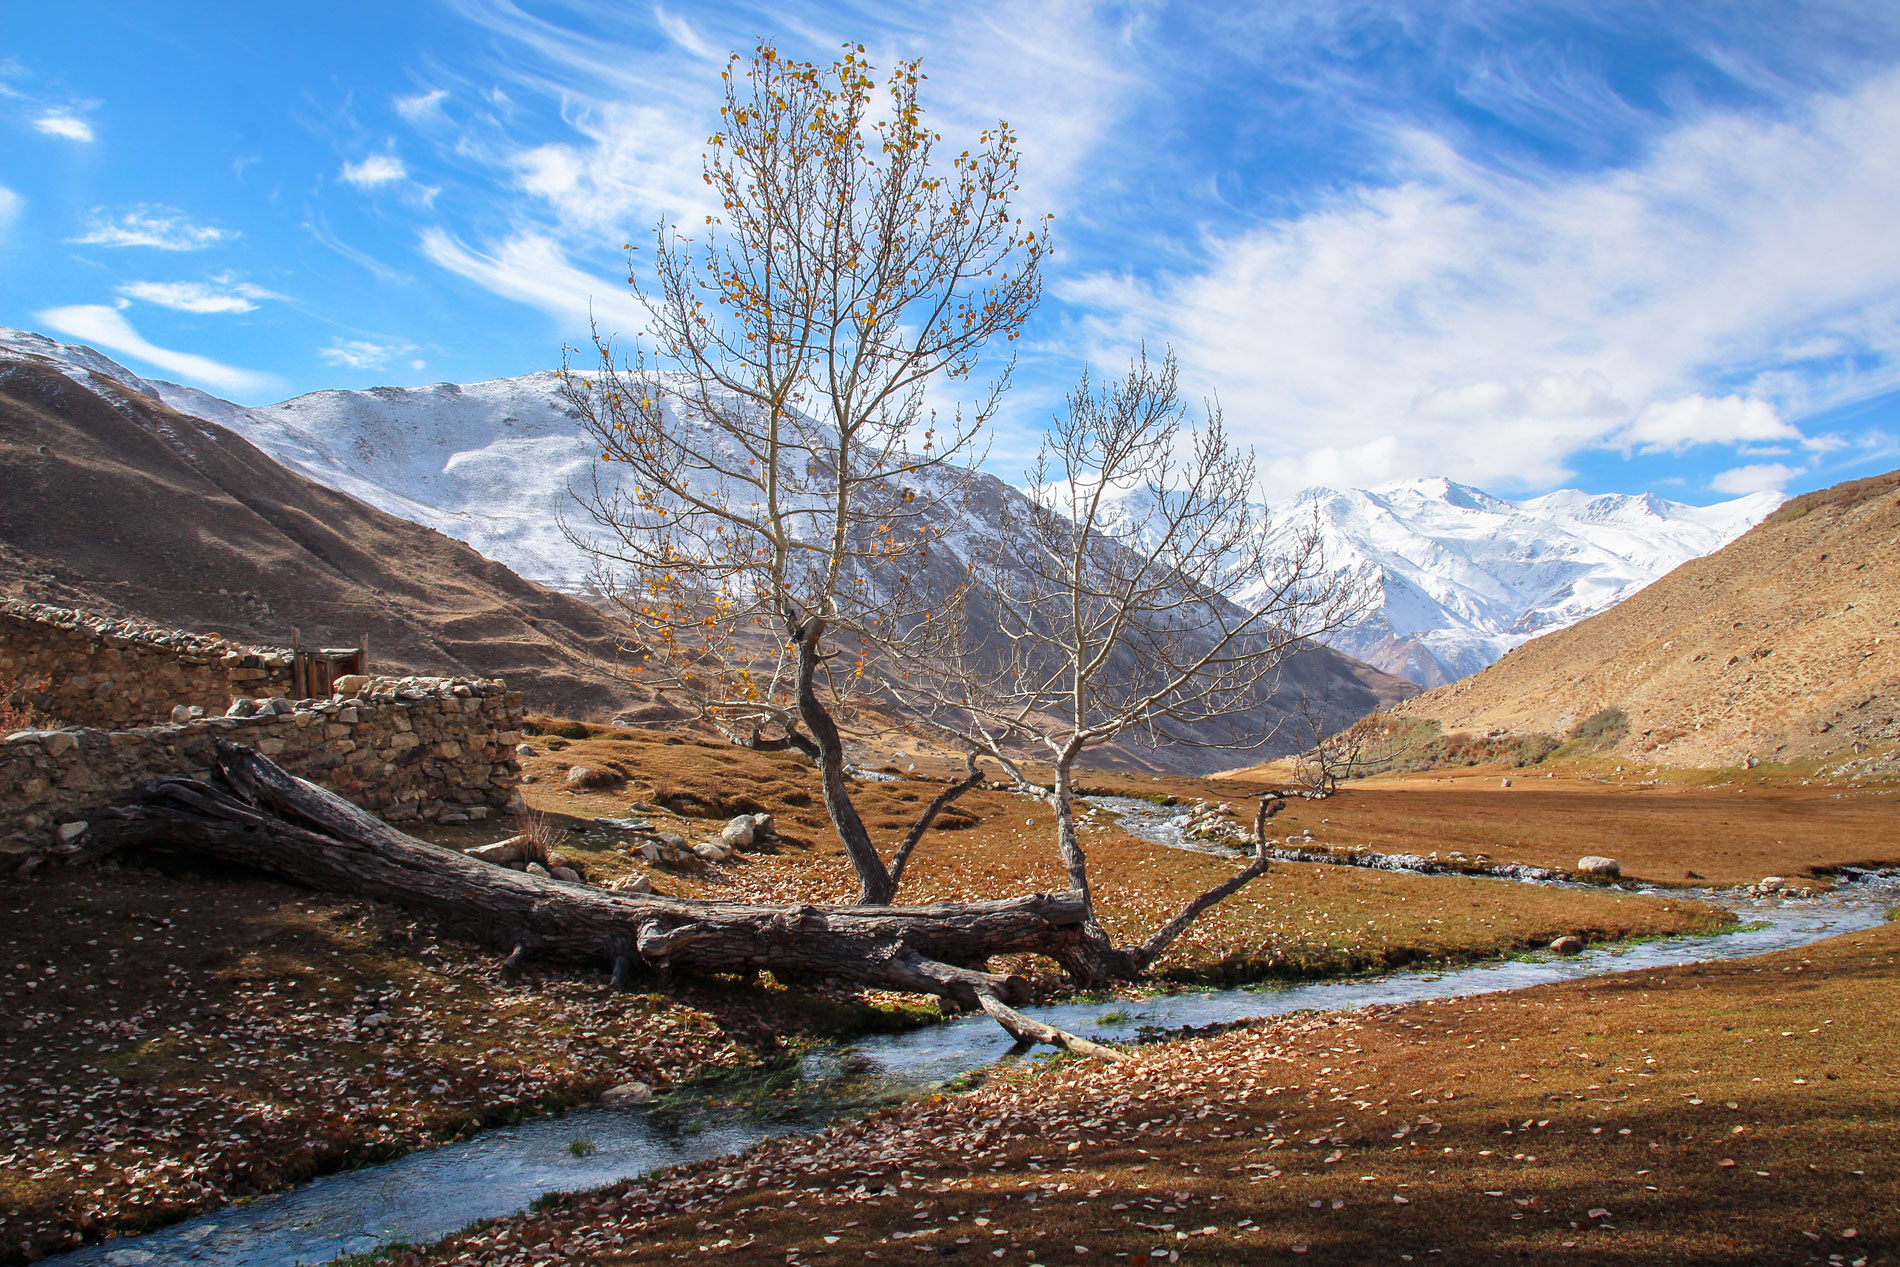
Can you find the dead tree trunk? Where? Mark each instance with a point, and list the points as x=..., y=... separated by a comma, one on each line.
x=256, y=815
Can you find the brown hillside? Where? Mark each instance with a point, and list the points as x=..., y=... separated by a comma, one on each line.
x=1781, y=646
x=115, y=502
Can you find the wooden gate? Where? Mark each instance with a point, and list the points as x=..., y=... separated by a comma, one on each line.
x=313, y=674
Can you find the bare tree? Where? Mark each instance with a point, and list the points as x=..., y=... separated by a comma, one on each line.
x=1330, y=754
x=1113, y=621
x=772, y=477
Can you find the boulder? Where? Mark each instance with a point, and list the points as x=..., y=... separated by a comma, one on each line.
x=710, y=852
x=565, y=873
x=763, y=825
x=525, y=750
x=1595, y=864
x=627, y=1093
x=535, y=868
x=634, y=884
x=350, y=685
x=1570, y=944
x=499, y=853
x=738, y=833
x=1772, y=884
x=671, y=839
x=579, y=776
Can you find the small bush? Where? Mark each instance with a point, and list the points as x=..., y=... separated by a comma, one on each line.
x=17, y=711
x=1601, y=729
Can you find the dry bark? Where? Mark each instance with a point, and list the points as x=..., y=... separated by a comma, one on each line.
x=252, y=813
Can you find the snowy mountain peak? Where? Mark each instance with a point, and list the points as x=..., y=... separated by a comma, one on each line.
x=1461, y=576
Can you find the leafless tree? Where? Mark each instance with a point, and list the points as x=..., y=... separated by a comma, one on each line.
x=772, y=477
x=1113, y=620
x=1330, y=753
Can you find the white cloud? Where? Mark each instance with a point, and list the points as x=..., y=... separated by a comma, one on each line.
x=681, y=32
x=1490, y=325
x=363, y=354
x=161, y=228
x=218, y=294
x=11, y=204
x=108, y=328
x=421, y=106
x=533, y=269
x=1670, y=426
x=377, y=169
x=60, y=123
x=1757, y=478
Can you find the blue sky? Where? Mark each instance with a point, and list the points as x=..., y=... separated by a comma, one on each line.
x=1615, y=246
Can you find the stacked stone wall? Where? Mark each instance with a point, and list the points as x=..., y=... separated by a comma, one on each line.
x=82, y=669
x=439, y=749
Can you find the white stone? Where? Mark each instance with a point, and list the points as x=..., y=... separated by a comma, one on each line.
x=69, y=832
x=1595, y=864
x=627, y=1093
x=499, y=853
x=738, y=833
x=712, y=853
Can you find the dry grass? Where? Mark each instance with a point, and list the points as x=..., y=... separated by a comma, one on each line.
x=171, y=1043
x=1719, y=829
x=1296, y=921
x=1738, y=1113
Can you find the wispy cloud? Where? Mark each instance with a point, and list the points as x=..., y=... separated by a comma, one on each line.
x=61, y=123
x=11, y=205
x=161, y=228
x=374, y=171
x=1756, y=478
x=364, y=354
x=534, y=270
x=107, y=328
x=422, y=105
x=222, y=293
x=1424, y=323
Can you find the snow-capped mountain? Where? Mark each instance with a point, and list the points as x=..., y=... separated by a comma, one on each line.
x=1460, y=576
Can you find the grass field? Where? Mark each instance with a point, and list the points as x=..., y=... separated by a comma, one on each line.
x=1735, y=1113
x=1296, y=921
x=197, y=1038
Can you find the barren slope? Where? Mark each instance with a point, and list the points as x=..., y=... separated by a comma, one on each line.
x=1783, y=645
x=116, y=502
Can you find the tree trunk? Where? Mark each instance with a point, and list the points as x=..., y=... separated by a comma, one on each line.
x=876, y=887
x=256, y=815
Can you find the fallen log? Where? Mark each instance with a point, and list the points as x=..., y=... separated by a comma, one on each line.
x=254, y=814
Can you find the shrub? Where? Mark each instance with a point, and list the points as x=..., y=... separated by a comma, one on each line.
x=1601, y=729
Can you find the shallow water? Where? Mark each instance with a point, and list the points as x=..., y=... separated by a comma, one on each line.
x=429, y=1194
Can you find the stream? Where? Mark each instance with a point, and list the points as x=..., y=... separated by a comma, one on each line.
x=426, y=1195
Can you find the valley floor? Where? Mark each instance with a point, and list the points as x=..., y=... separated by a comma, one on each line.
x=1741, y=1112
x=170, y=1042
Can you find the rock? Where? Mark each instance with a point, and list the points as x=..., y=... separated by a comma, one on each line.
x=671, y=839
x=502, y=851
x=452, y=819
x=350, y=685
x=627, y=1093
x=1594, y=864
x=1568, y=945
x=649, y=851
x=738, y=833
x=180, y=714
x=525, y=750
x=578, y=776
x=565, y=873
x=764, y=825
x=374, y=1019
x=57, y=741
x=69, y=832
x=1772, y=883
x=535, y=868
x=241, y=708
x=634, y=884
x=712, y=853
x=1507, y=782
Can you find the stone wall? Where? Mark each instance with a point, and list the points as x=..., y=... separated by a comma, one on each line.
x=81, y=669
x=404, y=748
